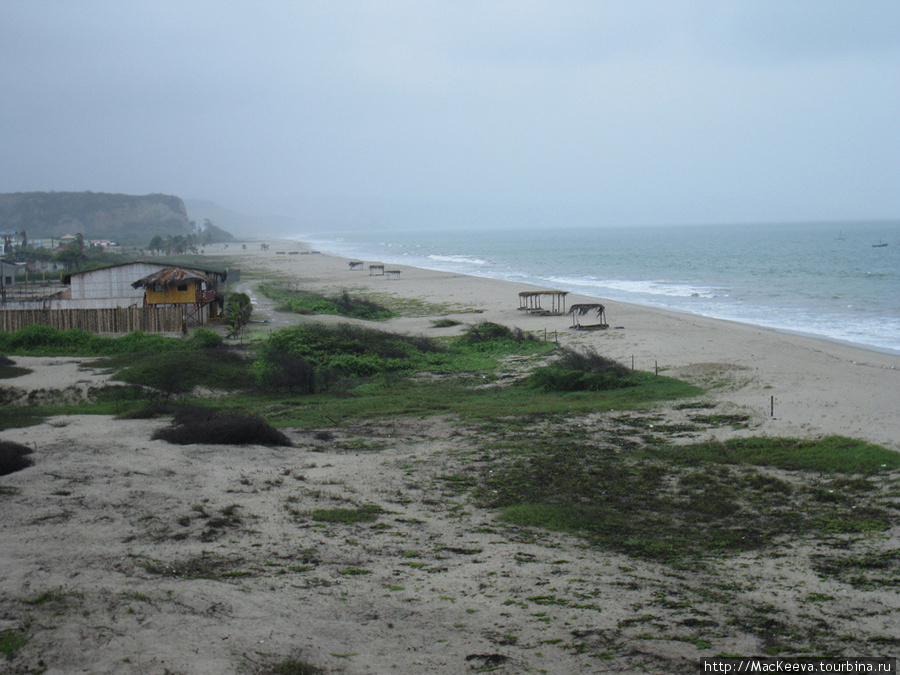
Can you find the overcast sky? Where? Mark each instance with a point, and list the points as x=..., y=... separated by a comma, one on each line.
x=606, y=111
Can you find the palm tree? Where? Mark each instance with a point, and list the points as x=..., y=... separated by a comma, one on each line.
x=238, y=309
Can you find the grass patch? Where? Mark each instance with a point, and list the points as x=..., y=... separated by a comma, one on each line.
x=11, y=641
x=834, y=454
x=14, y=417
x=310, y=302
x=38, y=340
x=651, y=507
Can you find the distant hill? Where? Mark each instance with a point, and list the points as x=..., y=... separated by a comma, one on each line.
x=128, y=219
x=240, y=223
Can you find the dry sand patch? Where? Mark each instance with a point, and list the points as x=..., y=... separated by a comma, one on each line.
x=123, y=554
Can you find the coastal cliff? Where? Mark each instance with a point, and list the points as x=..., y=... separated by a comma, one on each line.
x=126, y=218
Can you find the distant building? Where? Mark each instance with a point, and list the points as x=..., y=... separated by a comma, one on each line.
x=8, y=272
x=9, y=239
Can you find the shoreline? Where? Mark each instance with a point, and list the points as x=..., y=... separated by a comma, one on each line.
x=785, y=331
x=828, y=324
x=820, y=386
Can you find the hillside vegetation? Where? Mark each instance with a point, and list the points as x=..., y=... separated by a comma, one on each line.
x=129, y=219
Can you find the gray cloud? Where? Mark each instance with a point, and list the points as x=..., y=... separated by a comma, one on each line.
x=626, y=111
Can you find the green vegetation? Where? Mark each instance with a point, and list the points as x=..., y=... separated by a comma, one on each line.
x=11, y=641
x=238, y=310
x=835, y=454
x=667, y=502
x=173, y=373
x=37, y=340
x=310, y=302
x=582, y=371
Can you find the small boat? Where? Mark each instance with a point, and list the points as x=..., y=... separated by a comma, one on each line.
x=879, y=245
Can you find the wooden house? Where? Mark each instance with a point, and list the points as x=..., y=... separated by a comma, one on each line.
x=196, y=291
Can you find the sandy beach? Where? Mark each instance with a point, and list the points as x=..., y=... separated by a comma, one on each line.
x=122, y=554
x=820, y=386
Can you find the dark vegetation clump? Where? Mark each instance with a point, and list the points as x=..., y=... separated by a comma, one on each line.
x=194, y=425
x=6, y=361
x=582, y=371
x=172, y=373
x=13, y=457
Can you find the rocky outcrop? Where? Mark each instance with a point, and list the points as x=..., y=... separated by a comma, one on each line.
x=126, y=218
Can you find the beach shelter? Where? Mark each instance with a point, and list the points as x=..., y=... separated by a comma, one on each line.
x=530, y=301
x=580, y=310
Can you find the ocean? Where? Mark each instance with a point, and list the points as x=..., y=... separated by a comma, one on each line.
x=836, y=280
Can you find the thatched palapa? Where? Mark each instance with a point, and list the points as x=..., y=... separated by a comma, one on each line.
x=584, y=309
x=530, y=301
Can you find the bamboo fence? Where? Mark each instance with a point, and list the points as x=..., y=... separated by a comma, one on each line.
x=158, y=319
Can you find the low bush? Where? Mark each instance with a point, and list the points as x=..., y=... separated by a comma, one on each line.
x=174, y=373
x=6, y=361
x=279, y=369
x=13, y=457
x=204, y=338
x=581, y=371
x=339, y=351
x=195, y=425
x=489, y=336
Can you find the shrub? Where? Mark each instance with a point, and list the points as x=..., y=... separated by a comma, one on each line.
x=13, y=457
x=178, y=372
x=487, y=331
x=204, y=338
x=345, y=350
x=489, y=337
x=195, y=425
x=169, y=374
x=581, y=371
x=280, y=369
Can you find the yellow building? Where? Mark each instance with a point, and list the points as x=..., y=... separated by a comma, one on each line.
x=196, y=291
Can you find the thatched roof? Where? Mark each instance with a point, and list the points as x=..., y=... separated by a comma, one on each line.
x=583, y=309
x=531, y=294
x=172, y=276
